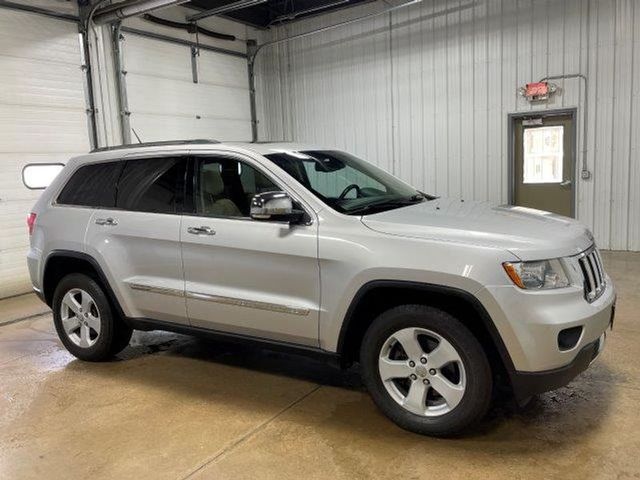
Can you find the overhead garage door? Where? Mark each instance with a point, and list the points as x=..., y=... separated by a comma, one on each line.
x=166, y=104
x=42, y=119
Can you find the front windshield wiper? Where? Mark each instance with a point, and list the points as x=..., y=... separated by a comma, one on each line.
x=387, y=203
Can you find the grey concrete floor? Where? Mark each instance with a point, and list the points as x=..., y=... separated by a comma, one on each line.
x=175, y=407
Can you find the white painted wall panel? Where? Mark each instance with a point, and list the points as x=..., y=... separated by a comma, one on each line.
x=425, y=92
x=164, y=102
x=42, y=119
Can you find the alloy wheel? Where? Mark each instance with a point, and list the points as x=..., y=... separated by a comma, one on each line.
x=422, y=371
x=80, y=318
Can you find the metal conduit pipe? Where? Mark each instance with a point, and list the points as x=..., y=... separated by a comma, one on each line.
x=330, y=27
x=585, y=170
x=128, y=9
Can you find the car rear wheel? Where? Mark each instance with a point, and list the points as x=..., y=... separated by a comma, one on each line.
x=85, y=321
x=425, y=370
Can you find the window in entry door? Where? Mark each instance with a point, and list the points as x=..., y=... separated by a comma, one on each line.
x=543, y=154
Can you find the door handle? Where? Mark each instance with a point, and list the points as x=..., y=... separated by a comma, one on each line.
x=566, y=183
x=203, y=230
x=106, y=221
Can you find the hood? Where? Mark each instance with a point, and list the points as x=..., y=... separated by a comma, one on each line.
x=527, y=233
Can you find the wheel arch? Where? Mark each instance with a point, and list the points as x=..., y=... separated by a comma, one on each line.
x=60, y=263
x=378, y=296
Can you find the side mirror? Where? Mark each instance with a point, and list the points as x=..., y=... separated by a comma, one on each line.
x=276, y=206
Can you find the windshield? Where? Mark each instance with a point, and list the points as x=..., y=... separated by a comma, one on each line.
x=344, y=182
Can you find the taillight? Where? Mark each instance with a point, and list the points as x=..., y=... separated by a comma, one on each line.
x=31, y=222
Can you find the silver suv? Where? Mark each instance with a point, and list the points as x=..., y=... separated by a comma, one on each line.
x=316, y=251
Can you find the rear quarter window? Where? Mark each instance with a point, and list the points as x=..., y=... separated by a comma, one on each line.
x=92, y=186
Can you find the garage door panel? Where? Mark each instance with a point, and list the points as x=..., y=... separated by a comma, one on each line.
x=223, y=129
x=12, y=266
x=15, y=238
x=152, y=128
x=40, y=130
x=47, y=84
x=11, y=165
x=219, y=69
x=186, y=98
x=164, y=102
x=42, y=120
x=141, y=57
x=29, y=36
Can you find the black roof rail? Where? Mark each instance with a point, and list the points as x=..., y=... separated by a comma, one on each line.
x=163, y=143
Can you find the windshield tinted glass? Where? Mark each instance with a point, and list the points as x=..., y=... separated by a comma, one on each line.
x=345, y=182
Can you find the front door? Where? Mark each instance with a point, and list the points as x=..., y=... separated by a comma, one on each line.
x=244, y=276
x=543, y=163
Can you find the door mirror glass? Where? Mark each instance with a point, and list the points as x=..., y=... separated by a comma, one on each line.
x=274, y=206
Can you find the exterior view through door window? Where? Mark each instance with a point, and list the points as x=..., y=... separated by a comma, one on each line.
x=543, y=154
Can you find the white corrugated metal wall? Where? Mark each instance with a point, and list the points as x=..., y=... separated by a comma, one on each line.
x=42, y=120
x=425, y=92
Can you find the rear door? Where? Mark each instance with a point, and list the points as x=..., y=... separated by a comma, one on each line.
x=137, y=239
x=245, y=276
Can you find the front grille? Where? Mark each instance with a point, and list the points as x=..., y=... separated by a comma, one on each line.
x=593, y=273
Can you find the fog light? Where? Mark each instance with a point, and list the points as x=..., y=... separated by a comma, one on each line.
x=568, y=338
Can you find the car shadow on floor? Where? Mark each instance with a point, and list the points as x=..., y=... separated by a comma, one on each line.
x=554, y=418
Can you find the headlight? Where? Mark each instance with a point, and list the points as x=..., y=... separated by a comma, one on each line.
x=539, y=275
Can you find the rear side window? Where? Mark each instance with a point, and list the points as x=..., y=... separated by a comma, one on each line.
x=92, y=186
x=152, y=185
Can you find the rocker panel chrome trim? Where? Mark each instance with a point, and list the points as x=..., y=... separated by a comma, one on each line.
x=240, y=302
x=161, y=290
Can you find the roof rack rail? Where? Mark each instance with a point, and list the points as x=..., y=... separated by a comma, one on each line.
x=163, y=143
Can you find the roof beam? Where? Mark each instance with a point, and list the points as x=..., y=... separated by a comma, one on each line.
x=230, y=7
x=132, y=8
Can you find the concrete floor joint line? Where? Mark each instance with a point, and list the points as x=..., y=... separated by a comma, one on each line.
x=250, y=434
x=28, y=317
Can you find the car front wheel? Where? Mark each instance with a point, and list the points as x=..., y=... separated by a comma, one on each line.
x=425, y=370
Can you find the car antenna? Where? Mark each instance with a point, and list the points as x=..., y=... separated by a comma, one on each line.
x=134, y=132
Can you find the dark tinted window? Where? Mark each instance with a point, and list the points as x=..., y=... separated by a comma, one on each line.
x=151, y=185
x=92, y=186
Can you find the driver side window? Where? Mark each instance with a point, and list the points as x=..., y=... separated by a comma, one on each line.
x=225, y=187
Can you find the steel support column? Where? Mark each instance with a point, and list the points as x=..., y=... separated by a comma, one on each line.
x=123, y=101
x=252, y=46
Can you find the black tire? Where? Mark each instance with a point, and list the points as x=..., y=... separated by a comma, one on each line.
x=477, y=396
x=114, y=334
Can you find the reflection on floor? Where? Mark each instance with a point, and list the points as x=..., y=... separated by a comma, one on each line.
x=177, y=407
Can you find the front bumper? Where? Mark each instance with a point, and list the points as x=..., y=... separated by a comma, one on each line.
x=526, y=384
x=529, y=322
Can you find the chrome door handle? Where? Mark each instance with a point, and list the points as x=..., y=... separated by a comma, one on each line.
x=106, y=221
x=566, y=183
x=203, y=230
